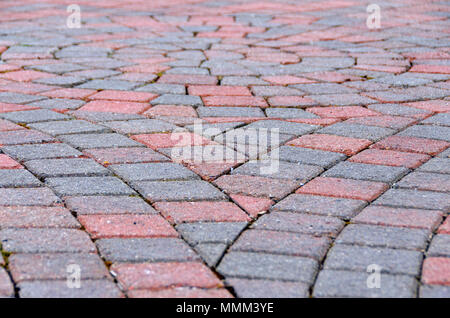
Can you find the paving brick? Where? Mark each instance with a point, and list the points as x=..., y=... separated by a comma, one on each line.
x=283, y=126
x=260, y=288
x=275, y=267
x=445, y=227
x=332, y=283
x=36, y=217
x=437, y=165
x=299, y=155
x=178, y=190
x=345, y=145
x=206, y=90
x=175, y=139
x=314, y=204
x=400, y=217
x=123, y=96
x=181, y=292
x=57, y=104
x=18, y=137
x=256, y=186
x=358, y=258
x=173, y=99
x=46, y=241
x=426, y=181
x=6, y=287
x=299, y=223
x=230, y=112
x=161, y=88
x=393, y=122
x=58, y=289
x=141, y=126
x=211, y=232
x=145, y=250
x=432, y=105
x=429, y=132
x=65, y=167
x=41, y=151
x=390, y=158
x=108, y=84
x=357, y=131
x=282, y=243
x=153, y=172
x=115, y=107
x=124, y=155
x=6, y=126
x=442, y=119
x=7, y=162
x=361, y=171
x=342, y=112
x=56, y=128
x=344, y=188
x=107, y=226
x=30, y=267
x=240, y=101
x=399, y=110
x=108, y=205
x=383, y=236
x=33, y=116
x=161, y=111
x=440, y=246
x=161, y=275
x=434, y=291
x=10, y=178
x=103, y=116
x=31, y=196
x=252, y=205
x=411, y=144
x=289, y=113
x=436, y=271
x=69, y=186
x=179, y=212
x=415, y=199
x=88, y=141
x=187, y=79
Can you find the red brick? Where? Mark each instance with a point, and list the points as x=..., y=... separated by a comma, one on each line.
x=394, y=122
x=291, y=101
x=124, y=96
x=436, y=271
x=342, y=111
x=188, y=79
x=207, y=90
x=8, y=126
x=145, y=68
x=428, y=68
x=399, y=217
x=178, y=139
x=163, y=275
x=381, y=68
x=412, y=144
x=344, y=188
x=390, y=158
x=445, y=227
x=245, y=101
x=346, y=145
x=439, y=106
x=78, y=93
x=287, y=80
x=115, y=107
x=4, y=107
x=106, y=226
x=171, y=110
x=8, y=163
x=24, y=76
x=181, y=292
x=252, y=205
x=179, y=212
x=209, y=171
x=333, y=77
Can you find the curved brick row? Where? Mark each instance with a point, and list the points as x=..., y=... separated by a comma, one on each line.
x=102, y=128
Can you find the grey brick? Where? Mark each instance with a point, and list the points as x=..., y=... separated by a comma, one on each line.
x=64, y=81
x=397, y=110
x=275, y=91
x=440, y=246
x=66, y=127
x=58, y=289
x=299, y=223
x=109, y=84
x=33, y=116
x=23, y=136
x=358, y=258
x=345, y=208
x=58, y=68
x=280, y=169
x=371, y=133
x=426, y=131
x=434, y=291
x=83, y=51
x=142, y=126
x=89, y=186
x=159, y=88
x=41, y=151
x=325, y=159
x=269, y=266
x=103, y=116
x=324, y=88
x=33, y=196
x=361, y=171
x=437, y=165
x=88, y=141
x=441, y=119
x=405, y=79
x=46, y=241
x=230, y=112
x=342, y=99
x=172, y=99
x=210, y=232
x=146, y=250
x=153, y=171
x=59, y=103
x=178, y=190
x=384, y=236
x=284, y=127
x=17, y=98
x=17, y=178
x=65, y=167
x=415, y=199
x=260, y=288
x=108, y=205
x=331, y=283
x=242, y=81
x=211, y=253
x=289, y=113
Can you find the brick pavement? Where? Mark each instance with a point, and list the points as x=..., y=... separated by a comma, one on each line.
x=91, y=117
